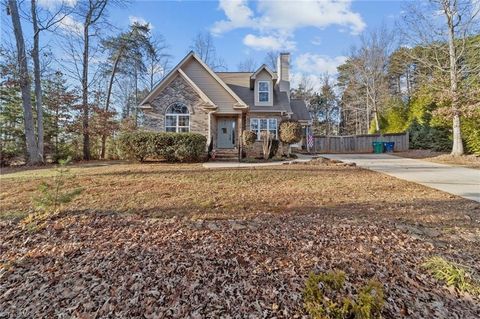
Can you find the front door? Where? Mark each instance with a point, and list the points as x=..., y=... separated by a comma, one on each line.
x=226, y=133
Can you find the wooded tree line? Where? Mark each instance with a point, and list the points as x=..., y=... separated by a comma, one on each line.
x=74, y=81
x=422, y=76
x=69, y=93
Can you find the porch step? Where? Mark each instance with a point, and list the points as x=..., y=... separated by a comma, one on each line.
x=226, y=154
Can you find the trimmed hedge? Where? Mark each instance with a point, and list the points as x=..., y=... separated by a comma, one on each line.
x=172, y=147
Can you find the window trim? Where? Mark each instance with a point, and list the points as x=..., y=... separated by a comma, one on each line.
x=177, y=119
x=263, y=91
x=258, y=130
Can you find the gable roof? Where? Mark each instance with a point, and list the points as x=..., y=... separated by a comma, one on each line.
x=195, y=87
x=260, y=69
x=239, y=82
x=240, y=103
x=300, y=111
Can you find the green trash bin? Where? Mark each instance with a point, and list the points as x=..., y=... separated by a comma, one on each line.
x=377, y=147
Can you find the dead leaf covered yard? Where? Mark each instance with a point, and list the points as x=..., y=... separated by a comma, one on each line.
x=176, y=241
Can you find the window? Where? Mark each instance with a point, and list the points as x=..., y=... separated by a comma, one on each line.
x=263, y=91
x=260, y=125
x=177, y=118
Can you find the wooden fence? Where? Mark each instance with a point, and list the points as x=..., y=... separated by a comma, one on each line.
x=358, y=143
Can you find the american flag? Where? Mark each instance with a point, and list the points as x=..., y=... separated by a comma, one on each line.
x=309, y=140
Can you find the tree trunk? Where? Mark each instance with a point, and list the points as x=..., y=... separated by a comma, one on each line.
x=136, y=97
x=37, y=79
x=85, y=106
x=408, y=83
x=32, y=146
x=152, y=73
x=107, y=103
x=457, y=148
x=377, y=122
x=57, y=130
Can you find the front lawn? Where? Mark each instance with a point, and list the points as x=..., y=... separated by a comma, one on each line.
x=175, y=241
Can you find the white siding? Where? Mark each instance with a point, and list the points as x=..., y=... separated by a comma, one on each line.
x=264, y=76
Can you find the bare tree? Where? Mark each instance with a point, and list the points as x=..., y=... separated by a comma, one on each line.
x=271, y=59
x=248, y=65
x=370, y=67
x=204, y=47
x=24, y=79
x=78, y=47
x=304, y=90
x=439, y=31
x=42, y=21
x=324, y=108
x=157, y=62
x=126, y=48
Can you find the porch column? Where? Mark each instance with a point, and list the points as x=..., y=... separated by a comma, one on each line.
x=240, y=131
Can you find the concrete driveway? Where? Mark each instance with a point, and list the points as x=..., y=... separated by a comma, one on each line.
x=461, y=181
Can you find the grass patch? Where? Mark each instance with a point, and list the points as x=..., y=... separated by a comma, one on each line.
x=453, y=275
x=326, y=296
x=191, y=191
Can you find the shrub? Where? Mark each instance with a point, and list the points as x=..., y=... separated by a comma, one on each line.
x=424, y=136
x=181, y=147
x=267, y=141
x=135, y=145
x=325, y=296
x=7, y=155
x=249, y=137
x=453, y=275
x=62, y=151
x=163, y=146
x=290, y=131
x=189, y=147
x=471, y=134
x=274, y=148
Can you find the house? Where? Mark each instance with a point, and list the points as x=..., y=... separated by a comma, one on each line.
x=221, y=105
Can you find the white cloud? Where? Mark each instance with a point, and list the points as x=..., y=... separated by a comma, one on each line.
x=318, y=64
x=313, y=68
x=52, y=5
x=313, y=80
x=71, y=25
x=134, y=19
x=291, y=15
x=238, y=14
x=287, y=16
x=268, y=43
x=272, y=18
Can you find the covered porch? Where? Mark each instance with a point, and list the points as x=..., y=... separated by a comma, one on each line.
x=225, y=135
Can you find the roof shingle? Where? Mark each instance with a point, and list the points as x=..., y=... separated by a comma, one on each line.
x=239, y=82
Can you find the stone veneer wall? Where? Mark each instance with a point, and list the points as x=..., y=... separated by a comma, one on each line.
x=180, y=91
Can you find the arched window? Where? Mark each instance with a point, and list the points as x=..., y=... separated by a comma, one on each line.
x=177, y=118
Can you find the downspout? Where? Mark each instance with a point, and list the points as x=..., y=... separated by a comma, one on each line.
x=239, y=137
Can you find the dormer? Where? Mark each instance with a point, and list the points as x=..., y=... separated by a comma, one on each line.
x=262, y=82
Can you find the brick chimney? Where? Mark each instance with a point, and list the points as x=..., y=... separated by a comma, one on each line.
x=283, y=72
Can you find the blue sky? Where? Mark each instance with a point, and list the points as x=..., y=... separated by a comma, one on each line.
x=317, y=34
